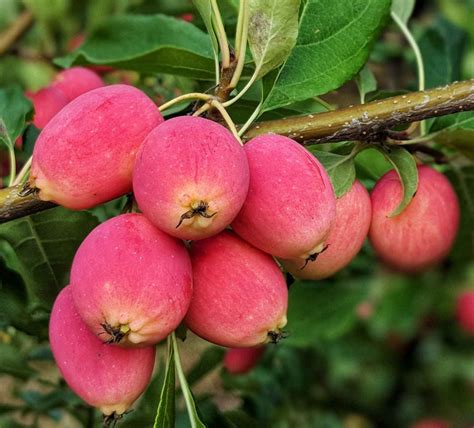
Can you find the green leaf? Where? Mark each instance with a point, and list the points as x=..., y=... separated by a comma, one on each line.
x=165, y=414
x=45, y=244
x=273, y=28
x=334, y=42
x=148, y=44
x=366, y=82
x=442, y=46
x=403, y=9
x=14, y=109
x=321, y=310
x=461, y=140
x=340, y=168
x=405, y=166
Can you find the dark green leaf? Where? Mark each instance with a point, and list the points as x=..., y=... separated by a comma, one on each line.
x=165, y=413
x=403, y=9
x=149, y=44
x=44, y=244
x=405, y=165
x=14, y=109
x=442, y=47
x=334, y=41
x=340, y=168
x=273, y=28
x=321, y=310
x=457, y=131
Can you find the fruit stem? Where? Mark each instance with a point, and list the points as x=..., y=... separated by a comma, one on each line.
x=221, y=35
x=23, y=172
x=240, y=42
x=185, y=97
x=227, y=118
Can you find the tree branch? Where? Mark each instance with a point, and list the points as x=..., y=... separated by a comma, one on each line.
x=15, y=30
x=369, y=122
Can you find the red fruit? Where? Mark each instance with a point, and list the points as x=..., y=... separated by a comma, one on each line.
x=131, y=283
x=431, y=423
x=47, y=102
x=345, y=239
x=242, y=360
x=240, y=295
x=104, y=376
x=76, y=81
x=422, y=235
x=290, y=205
x=465, y=311
x=85, y=154
x=191, y=177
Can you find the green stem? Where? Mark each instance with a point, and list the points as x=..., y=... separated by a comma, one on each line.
x=244, y=89
x=251, y=119
x=23, y=172
x=221, y=35
x=11, y=155
x=191, y=407
x=185, y=97
x=241, y=42
x=419, y=59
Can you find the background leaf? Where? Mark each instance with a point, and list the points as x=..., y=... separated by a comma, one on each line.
x=340, y=168
x=405, y=166
x=273, y=28
x=149, y=44
x=366, y=82
x=334, y=41
x=44, y=245
x=14, y=109
x=321, y=310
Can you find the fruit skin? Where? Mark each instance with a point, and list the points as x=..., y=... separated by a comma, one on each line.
x=422, y=235
x=131, y=283
x=47, y=103
x=240, y=296
x=85, y=155
x=290, y=205
x=345, y=239
x=465, y=311
x=186, y=164
x=105, y=376
x=76, y=81
x=242, y=360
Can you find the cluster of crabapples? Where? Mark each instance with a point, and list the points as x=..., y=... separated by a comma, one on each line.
x=217, y=224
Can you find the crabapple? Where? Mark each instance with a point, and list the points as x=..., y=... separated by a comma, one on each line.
x=290, y=205
x=465, y=311
x=242, y=360
x=131, y=282
x=345, y=239
x=191, y=177
x=104, y=376
x=47, y=102
x=85, y=155
x=422, y=235
x=240, y=296
x=76, y=81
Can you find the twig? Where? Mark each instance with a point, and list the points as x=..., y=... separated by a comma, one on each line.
x=368, y=122
x=15, y=31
